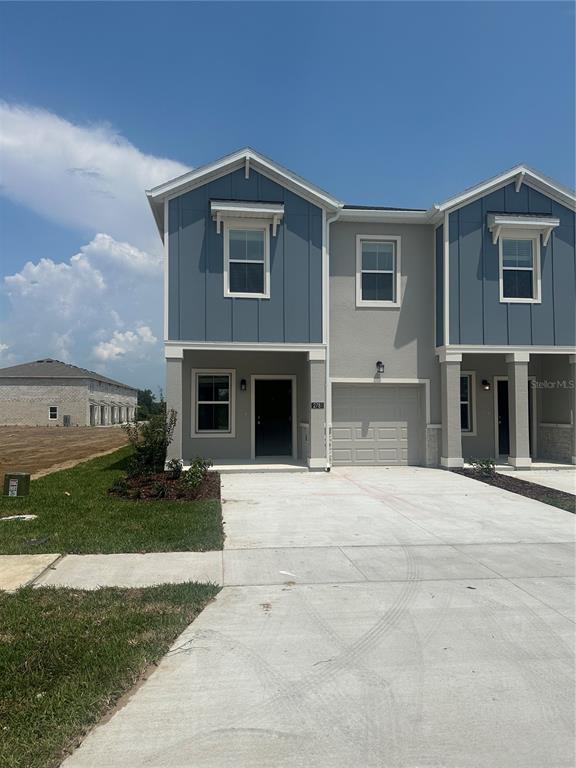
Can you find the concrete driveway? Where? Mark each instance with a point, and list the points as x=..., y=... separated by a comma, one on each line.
x=380, y=618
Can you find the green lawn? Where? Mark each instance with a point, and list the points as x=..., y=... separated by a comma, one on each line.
x=66, y=656
x=76, y=515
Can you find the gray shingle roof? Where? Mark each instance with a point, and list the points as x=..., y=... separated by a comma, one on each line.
x=55, y=369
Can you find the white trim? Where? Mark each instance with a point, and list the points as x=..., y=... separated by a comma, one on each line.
x=380, y=381
x=508, y=234
x=226, y=164
x=166, y=271
x=177, y=348
x=563, y=425
x=532, y=178
x=317, y=354
x=517, y=357
x=273, y=377
x=217, y=434
x=501, y=349
x=52, y=418
x=260, y=225
x=317, y=463
x=446, y=297
x=396, y=279
x=471, y=404
x=533, y=416
x=447, y=356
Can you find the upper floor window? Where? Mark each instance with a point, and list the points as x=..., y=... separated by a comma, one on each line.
x=520, y=269
x=377, y=271
x=247, y=259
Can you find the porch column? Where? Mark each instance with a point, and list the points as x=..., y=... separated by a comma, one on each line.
x=572, y=362
x=317, y=420
x=451, y=457
x=518, y=411
x=174, y=399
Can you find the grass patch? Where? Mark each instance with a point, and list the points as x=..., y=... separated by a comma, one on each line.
x=66, y=657
x=77, y=515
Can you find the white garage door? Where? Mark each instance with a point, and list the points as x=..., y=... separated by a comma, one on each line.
x=377, y=424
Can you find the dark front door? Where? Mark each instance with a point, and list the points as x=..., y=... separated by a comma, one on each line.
x=504, y=419
x=273, y=415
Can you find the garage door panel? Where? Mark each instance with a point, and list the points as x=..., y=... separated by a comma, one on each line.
x=377, y=425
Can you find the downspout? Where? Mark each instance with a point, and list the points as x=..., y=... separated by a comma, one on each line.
x=328, y=425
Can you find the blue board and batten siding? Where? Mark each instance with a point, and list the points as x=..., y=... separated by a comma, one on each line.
x=476, y=315
x=198, y=309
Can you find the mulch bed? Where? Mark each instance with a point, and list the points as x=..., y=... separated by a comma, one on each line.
x=162, y=487
x=561, y=499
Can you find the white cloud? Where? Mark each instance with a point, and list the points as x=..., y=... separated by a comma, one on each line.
x=86, y=177
x=127, y=342
x=103, y=305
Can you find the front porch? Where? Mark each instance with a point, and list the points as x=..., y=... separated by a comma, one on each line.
x=516, y=408
x=250, y=409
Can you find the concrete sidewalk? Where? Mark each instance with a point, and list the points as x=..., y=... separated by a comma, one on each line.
x=19, y=570
x=559, y=479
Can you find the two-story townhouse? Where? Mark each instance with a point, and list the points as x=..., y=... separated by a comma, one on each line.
x=300, y=329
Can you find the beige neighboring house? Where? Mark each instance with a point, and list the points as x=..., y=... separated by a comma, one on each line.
x=51, y=393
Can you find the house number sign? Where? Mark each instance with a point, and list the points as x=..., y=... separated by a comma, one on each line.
x=317, y=405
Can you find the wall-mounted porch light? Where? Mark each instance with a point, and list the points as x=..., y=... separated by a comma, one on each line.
x=379, y=367
x=486, y=385
x=243, y=385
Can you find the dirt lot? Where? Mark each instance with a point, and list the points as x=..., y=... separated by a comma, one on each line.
x=39, y=450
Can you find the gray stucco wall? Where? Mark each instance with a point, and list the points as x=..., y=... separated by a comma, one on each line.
x=476, y=314
x=198, y=309
x=403, y=338
x=245, y=364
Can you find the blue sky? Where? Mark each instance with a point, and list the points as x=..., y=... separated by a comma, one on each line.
x=384, y=103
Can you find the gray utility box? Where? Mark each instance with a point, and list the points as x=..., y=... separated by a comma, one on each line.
x=16, y=484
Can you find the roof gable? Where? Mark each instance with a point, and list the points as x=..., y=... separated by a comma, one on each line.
x=520, y=174
x=246, y=158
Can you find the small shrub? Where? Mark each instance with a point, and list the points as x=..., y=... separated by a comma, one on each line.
x=197, y=472
x=484, y=467
x=174, y=469
x=150, y=440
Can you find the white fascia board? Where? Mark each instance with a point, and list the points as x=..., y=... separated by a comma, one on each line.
x=493, y=349
x=384, y=217
x=205, y=173
x=238, y=346
x=528, y=176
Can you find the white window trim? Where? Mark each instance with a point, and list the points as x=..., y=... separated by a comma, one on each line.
x=215, y=433
x=258, y=224
x=519, y=234
x=52, y=418
x=472, y=403
x=360, y=302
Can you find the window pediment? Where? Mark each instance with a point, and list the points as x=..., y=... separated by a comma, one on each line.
x=225, y=210
x=515, y=225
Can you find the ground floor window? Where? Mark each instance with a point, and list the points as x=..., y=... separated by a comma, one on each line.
x=466, y=402
x=53, y=412
x=214, y=402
